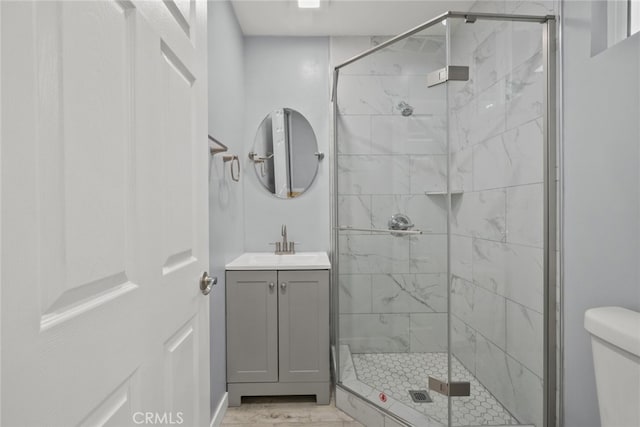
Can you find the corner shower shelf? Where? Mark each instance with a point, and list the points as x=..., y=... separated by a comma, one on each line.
x=443, y=193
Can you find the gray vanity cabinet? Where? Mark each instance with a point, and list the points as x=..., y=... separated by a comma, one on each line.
x=252, y=326
x=278, y=333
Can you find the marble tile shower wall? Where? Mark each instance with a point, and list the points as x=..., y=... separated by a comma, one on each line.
x=392, y=289
x=496, y=137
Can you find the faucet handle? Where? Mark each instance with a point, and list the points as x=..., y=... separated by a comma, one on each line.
x=283, y=231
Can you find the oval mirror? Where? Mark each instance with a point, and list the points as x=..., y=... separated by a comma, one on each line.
x=285, y=153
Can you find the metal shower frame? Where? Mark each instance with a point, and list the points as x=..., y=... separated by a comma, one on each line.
x=551, y=374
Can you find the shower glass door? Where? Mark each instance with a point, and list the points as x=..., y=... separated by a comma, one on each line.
x=496, y=181
x=391, y=224
x=443, y=222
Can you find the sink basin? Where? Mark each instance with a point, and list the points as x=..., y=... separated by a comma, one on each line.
x=270, y=261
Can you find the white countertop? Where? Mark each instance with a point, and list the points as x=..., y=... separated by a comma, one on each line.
x=271, y=261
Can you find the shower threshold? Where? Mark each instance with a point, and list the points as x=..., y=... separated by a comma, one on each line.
x=386, y=378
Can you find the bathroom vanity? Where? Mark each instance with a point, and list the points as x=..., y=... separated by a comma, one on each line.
x=278, y=325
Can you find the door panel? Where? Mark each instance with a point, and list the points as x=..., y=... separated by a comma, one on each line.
x=304, y=326
x=252, y=326
x=117, y=409
x=177, y=161
x=104, y=213
x=71, y=127
x=181, y=372
x=181, y=12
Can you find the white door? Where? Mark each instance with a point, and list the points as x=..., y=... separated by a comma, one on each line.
x=103, y=167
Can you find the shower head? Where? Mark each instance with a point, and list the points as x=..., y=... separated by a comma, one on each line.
x=405, y=109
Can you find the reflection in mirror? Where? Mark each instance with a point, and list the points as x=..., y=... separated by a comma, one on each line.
x=285, y=153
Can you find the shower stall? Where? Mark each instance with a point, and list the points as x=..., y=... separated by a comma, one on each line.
x=444, y=222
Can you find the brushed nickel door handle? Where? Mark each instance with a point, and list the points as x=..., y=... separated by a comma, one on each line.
x=206, y=283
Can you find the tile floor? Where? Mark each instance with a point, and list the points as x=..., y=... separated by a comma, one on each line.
x=286, y=411
x=396, y=373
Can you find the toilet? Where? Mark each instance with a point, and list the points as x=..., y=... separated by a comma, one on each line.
x=615, y=340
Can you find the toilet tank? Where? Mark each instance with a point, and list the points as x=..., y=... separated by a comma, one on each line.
x=615, y=340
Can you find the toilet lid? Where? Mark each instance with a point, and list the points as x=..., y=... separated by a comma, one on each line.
x=616, y=325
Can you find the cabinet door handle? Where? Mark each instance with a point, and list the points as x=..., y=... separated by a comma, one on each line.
x=272, y=285
x=283, y=286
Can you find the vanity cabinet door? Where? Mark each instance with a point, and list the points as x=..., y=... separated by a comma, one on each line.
x=252, y=326
x=304, y=325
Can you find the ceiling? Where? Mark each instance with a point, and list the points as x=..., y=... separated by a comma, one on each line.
x=339, y=17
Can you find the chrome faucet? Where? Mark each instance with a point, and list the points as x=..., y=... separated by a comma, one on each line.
x=285, y=247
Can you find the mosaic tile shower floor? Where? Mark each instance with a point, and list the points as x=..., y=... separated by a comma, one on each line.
x=396, y=373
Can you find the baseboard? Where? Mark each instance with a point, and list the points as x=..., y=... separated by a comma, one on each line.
x=221, y=410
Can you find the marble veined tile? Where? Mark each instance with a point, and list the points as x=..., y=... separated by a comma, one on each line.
x=517, y=388
x=462, y=299
x=354, y=211
x=488, y=114
x=463, y=343
x=382, y=333
x=373, y=174
x=525, y=215
x=525, y=336
x=509, y=159
x=528, y=392
x=371, y=94
x=526, y=40
x=461, y=171
x=416, y=55
x=428, y=253
x=525, y=90
x=482, y=310
x=461, y=257
x=375, y=253
x=492, y=371
x=492, y=56
x=409, y=293
x=408, y=135
x=531, y=7
x=481, y=118
x=427, y=100
x=355, y=293
x=428, y=173
x=354, y=134
x=480, y=214
x=428, y=214
x=428, y=332
x=513, y=271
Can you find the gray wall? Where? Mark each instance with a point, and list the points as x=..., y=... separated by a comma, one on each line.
x=288, y=72
x=248, y=78
x=601, y=163
x=226, y=119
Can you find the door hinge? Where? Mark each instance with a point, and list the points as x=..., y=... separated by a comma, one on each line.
x=450, y=72
x=454, y=389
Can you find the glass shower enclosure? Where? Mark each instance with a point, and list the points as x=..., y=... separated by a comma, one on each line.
x=444, y=222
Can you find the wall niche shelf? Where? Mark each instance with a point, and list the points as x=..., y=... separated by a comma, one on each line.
x=443, y=193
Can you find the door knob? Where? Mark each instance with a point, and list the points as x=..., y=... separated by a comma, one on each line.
x=207, y=282
x=283, y=286
x=272, y=285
